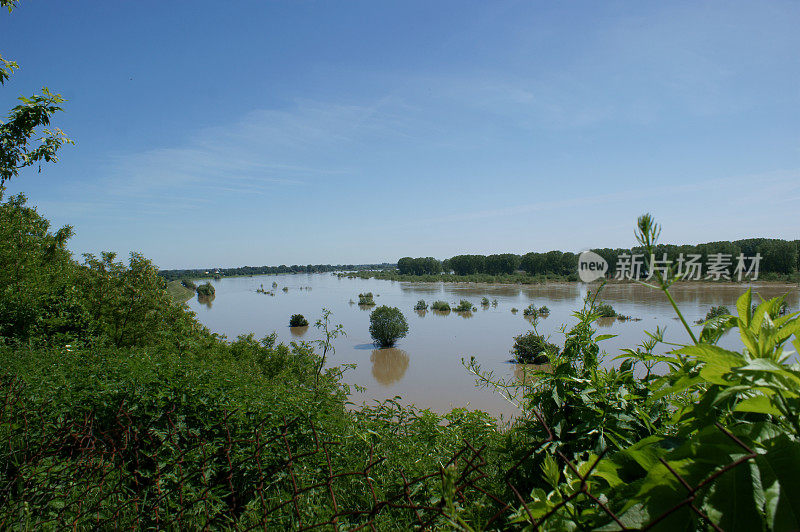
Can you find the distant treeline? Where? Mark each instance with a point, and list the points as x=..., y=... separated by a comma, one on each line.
x=778, y=257
x=199, y=273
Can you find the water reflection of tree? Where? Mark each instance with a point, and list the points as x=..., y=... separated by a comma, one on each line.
x=421, y=313
x=389, y=365
x=467, y=314
x=606, y=322
x=298, y=331
x=206, y=300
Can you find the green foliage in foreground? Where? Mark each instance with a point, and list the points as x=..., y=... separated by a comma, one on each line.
x=387, y=325
x=95, y=339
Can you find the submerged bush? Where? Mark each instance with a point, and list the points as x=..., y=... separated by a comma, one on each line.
x=485, y=302
x=604, y=310
x=206, y=289
x=531, y=311
x=387, y=325
x=443, y=306
x=717, y=312
x=464, y=306
x=298, y=320
x=366, y=299
x=533, y=348
x=421, y=305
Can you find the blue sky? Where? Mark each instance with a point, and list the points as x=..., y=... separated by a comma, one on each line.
x=225, y=134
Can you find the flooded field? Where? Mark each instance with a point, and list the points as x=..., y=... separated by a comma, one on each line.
x=425, y=368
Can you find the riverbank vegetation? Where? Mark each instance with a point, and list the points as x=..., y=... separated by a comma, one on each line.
x=779, y=261
x=120, y=410
x=102, y=340
x=180, y=292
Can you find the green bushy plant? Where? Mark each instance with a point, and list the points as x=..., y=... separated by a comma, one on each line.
x=533, y=348
x=298, y=320
x=387, y=325
x=531, y=311
x=366, y=299
x=604, y=310
x=464, y=306
x=442, y=306
x=421, y=305
x=206, y=289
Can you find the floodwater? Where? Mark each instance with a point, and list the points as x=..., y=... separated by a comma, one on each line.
x=425, y=368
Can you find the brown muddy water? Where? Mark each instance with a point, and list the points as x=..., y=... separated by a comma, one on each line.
x=425, y=368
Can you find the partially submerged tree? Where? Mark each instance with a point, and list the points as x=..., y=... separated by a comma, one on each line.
x=387, y=325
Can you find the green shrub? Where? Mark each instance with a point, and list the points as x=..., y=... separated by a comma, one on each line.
x=443, y=306
x=464, y=306
x=531, y=311
x=533, y=348
x=604, y=310
x=485, y=302
x=421, y=305
x=298, y=320
x=514, y=310
x=366, y=299
x=188, y=283
x=206, y=289
x=387, y=325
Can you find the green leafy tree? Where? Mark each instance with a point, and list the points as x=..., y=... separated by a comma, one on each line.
x=38, y=296
x=25, y=139
x=387, y=325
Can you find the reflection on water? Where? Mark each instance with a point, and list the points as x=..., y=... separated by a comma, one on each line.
x=299, y=331
x=441, y=312
x=466, y=314
x=389, y=365
x=206, y=300
x=606, y=322
x=421, y=313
